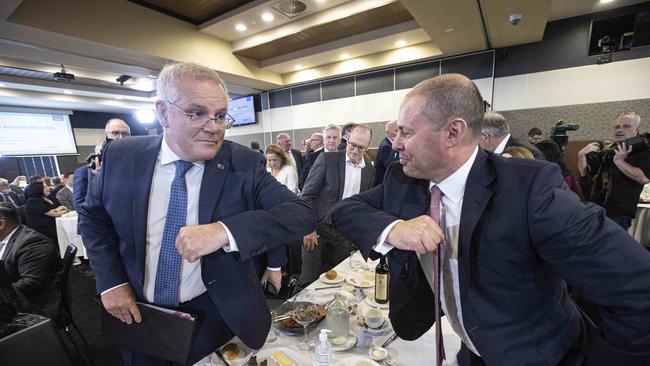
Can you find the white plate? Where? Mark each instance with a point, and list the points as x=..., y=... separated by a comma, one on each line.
x=349, y=343
x=370, y=300
x=354, y=361
x=244, y=354
x=363, y=280
x=268, y=352
x=384, y=327
x=339, y=278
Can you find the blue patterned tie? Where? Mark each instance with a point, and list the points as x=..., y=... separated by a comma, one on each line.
x=168, y=274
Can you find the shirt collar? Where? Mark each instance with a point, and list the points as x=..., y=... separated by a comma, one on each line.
x=502, y=145
x=167, y=156
x=362, y=163
x=5, y=241
x=453, y=187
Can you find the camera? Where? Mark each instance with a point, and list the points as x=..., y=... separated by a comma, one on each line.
x=595, y=158
x=558, y=132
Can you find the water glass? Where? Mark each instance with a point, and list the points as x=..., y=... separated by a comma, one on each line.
x=273, y=331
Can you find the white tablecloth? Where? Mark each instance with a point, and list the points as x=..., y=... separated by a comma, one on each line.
x=640, y=228
x=66, y=232
x=420, y=352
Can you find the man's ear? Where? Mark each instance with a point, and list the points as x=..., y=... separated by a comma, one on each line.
x=457, y=130
x=162, y=113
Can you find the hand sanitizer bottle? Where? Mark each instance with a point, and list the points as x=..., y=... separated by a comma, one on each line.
x=323, y=349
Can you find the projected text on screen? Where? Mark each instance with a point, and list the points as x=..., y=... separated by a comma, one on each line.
x=35, y=134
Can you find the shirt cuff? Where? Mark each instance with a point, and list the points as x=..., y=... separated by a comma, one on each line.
x=232, y=244
x=113, y=288
x=382, y=247
x=274, y=269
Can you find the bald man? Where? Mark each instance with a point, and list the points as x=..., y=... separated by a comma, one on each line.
x=317, y=146
x=385, y=153
x=284, y=141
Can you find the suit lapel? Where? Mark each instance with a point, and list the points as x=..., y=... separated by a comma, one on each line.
x=341, y=167
x=214, y=177
x=476, y=198
x=366, y=177
x=144, y=163
x=11, y=242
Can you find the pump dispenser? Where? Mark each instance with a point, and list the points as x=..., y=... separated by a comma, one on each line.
x=323, y=349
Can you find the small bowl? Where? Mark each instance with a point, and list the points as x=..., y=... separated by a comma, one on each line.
x=378, y=353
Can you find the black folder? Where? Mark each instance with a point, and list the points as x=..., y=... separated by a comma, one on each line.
x=163, y=333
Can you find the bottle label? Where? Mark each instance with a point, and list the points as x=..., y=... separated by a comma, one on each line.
x=381, y=287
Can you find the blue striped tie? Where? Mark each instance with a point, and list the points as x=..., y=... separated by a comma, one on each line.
x=168, y=274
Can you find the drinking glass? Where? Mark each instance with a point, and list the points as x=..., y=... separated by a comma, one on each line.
x=355, y=263
x=304, y=313
x=273, y=331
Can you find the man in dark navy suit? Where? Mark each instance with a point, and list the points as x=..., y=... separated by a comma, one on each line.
x=496, y=137
x=510, y=234
x=197, y=210
x=385, y=153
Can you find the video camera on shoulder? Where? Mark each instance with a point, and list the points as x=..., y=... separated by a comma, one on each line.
x=607, y=150
x=558, y=133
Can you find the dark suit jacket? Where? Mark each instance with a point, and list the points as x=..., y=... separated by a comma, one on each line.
x=16, y=199
x=20, y=192
x=522, y=233
x=80, y=186
x=236, y=190
x=64, y=195
x=536, y=153
x=326, y=182
x=299, y=160
x=31, y=263
x=310, y=159
x=385, y=156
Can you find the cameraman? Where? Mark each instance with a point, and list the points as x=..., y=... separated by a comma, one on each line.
x=617, y=176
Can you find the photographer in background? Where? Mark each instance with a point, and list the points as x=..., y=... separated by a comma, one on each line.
x=613, y=176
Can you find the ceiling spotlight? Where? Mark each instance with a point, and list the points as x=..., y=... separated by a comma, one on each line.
x=400, y=43
x=240, y=27
x=605, y=1
x=63, y=75
x=118, y=97
x=67, y=91
x=145, y=116
x=449, y=30
x=298, y=67
x=345, y=56
x=267, y=17
x=2, y=85
x=123, y=78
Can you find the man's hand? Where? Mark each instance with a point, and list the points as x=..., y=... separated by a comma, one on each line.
x=275, y=277
x=310, y=241
x=193, y=242
x=592, y=147
x=621, y=151
x=120, y=303
x=420, y=234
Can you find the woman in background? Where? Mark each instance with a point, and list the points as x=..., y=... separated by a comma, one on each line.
x=517, y=152
x=41, y=210
x=279, y=165
x=553, y=153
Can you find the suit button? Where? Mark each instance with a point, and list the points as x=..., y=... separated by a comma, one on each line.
x=471, y=330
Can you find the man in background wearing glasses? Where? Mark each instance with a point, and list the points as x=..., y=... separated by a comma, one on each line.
x=198, y=209
x=613, y=177
x=326, y=247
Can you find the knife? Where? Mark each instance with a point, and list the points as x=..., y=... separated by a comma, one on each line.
x=218, y=352
x=390, y=340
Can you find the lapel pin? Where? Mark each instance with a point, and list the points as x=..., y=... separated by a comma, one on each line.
x=219, y=166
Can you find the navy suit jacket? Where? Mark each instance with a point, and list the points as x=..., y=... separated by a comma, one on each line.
x=522, y=233
x=309, y=161
x=80, y=186
x=236, y=190
x=385, y=156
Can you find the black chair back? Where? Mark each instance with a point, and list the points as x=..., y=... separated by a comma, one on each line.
x=66, y=297
x=39, y=344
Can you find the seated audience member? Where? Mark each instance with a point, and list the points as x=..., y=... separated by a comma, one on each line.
x=517, y=152
x=32, y=179
x=553, y=153
x=496, y=137
x=30, y=263
x=17, y=186
x=278, y=164
x=57, y=185
x=7, y=195
x=41, y=210
x=64, y=195
x=48, y=181
x=535, y=135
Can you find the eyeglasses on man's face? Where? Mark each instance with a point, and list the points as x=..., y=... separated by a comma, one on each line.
x=199, y=118
x=117, y=133
x=358, y=147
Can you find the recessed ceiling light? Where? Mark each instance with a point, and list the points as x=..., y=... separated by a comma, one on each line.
x=345, y=56
x=320, y=1
x=67, y=92
x=298, y=67
x=400, y=43
x=449, y=30
x=606, y=1
x=118, y=97
x=267, y=17
x=2, y=85
x=240, y=27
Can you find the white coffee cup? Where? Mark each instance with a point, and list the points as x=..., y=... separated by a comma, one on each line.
x=374, y=318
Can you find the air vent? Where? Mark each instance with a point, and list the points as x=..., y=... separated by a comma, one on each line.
x=291, y=8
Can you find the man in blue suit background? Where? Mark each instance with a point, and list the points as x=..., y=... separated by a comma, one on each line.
x=174, y=220
x=511, y=233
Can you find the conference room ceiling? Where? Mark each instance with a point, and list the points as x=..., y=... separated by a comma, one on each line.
x=256, y=45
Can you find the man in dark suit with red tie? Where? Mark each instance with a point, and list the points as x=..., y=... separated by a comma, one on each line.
x=197, y=210
x=510, y=234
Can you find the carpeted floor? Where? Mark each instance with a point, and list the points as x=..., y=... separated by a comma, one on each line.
x=86, y=314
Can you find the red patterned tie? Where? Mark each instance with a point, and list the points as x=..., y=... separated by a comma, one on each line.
x=435, y=215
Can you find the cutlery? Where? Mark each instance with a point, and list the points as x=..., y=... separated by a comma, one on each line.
x=326, y=287
x=389, y=340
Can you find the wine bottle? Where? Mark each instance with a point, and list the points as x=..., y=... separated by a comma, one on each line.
x=382, y=277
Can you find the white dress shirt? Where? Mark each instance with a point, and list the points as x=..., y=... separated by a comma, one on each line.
x=502, y=145
x=352, y=177
x=293, y=160
x=453, y=191
x=288, y=177
x=5, y=241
